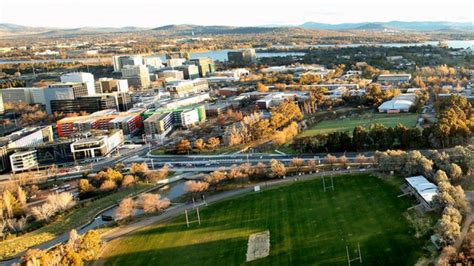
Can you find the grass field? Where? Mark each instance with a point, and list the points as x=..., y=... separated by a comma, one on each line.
x=348, y=124
x=307, y=226
x=62, y=224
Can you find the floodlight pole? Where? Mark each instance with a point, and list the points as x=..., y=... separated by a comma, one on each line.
x=332, y=183
x=324, y=184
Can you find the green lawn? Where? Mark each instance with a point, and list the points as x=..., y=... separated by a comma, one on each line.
x=307, y=226
x=348, y=124
x=75, y=218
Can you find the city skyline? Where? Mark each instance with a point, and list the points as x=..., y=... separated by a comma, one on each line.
x=144, y=13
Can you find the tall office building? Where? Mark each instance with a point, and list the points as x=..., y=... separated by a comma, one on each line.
x=120, y=61
x=153, y=63
x=205, y=65
x=88, y=104
x=137, y=76
x=242, y=57
x=60, y=91
x=107, y=85
x=81, y=77
x=189, y=71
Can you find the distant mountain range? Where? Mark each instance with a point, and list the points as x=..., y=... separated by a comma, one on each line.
x=398, y=25
x=7, y=29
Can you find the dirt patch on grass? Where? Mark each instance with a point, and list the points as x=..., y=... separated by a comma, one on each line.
x=258, y=246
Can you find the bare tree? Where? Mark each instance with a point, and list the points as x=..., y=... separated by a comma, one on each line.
x=43, y=212
x=125, y=209
x=21, y=197
x=196, y=186
x=17, y=225
x=297, y=162
x=216, y=177
x=108, y=185
x=360, y=159
x=246, y=168
x=150, y=202
x=343, y=160
x=61, y=201
x=8, y=202
x=312, y=164
x=330, y=159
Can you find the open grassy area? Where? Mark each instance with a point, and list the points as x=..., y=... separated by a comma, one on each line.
x=306, y=224
x=75, y=218
x=366, y=119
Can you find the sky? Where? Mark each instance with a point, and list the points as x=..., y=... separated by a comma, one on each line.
x=149, y=13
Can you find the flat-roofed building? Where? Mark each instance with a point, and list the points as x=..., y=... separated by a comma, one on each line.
x=130, y=124
x=205, y=65
x=80, y=77
x=137, y=75
x=108, y=85
x=394, y=79
x=189, y=71
x=97, y=146
x=23, y=161
x=121, y=61
x=242, y=57
x=16, y=95
x=88, y=104
x=158, y=125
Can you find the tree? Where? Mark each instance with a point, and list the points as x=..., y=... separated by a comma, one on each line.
x=8, y=203
x=455, y=172
x=17, y=225
x=128, y=180
x=343, y=160
x=139, y=169
x=61, y=201
x=108, y=185
x=89, y=246
x=297, y=162
x=196, y=186
x=85, y=186
x=158, y=175
x=183, y=146
x=212, y=143
x=247, y=169
x=330, y=159
x=43, y=212
x=150, y=202
x=448, y=227
x=21, y=197
x=216, y=177
x=261, y=87
x=360, y=159
x=260, y=168
x=125, y=209
x=199, y=144
x=312, y=164
x=278, y=169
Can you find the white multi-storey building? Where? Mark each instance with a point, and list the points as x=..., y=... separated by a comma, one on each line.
x=81, y=77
